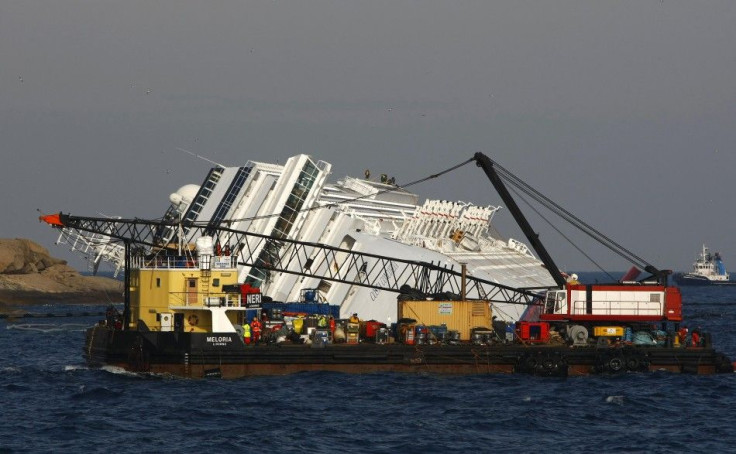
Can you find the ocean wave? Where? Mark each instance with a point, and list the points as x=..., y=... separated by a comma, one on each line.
x=48, y=327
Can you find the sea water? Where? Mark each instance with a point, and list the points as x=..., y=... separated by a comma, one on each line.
x=51, y=402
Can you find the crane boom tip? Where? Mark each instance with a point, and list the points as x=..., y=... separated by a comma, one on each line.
x=53, y=220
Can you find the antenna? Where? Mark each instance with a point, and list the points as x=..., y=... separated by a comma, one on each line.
x=200, y=157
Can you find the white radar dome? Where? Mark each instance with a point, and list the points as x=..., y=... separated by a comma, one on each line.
x=175, y=198
x=185, y=194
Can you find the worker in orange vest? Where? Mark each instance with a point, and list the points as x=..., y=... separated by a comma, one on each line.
x=255, y=326
x=695, y=338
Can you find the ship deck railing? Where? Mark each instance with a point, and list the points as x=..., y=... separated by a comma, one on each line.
x=209, y=299
x=205, y=262
x=579, y=307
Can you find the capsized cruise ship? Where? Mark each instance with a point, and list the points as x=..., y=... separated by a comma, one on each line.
x=295, y=201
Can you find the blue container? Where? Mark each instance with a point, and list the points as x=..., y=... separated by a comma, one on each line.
x=250, y=314
x=304, y=308
x=510, y=332
x=628, y=335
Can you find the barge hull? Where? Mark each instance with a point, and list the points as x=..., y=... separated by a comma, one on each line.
x=205, y=355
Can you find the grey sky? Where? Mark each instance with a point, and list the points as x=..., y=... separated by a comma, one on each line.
x=624, y=112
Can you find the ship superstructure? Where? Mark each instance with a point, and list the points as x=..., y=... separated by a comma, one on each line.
x=294, y=201
x=708, y=269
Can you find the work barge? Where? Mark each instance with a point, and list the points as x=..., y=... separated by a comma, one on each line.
x=187, y=315
x=201, y=336
x=197, y=356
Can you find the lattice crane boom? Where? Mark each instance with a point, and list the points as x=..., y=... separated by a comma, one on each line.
x=283, y=255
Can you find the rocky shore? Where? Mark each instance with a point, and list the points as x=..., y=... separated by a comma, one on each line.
x=30, y=275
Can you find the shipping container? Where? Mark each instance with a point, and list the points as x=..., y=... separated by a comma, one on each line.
x=461, y=316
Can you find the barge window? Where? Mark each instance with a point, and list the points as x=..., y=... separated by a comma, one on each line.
x=556, y=303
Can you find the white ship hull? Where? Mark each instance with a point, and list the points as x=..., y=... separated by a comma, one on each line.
x=295, y=202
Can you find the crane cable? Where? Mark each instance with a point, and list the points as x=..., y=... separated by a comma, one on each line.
x=570, y=218
x=585, y=228
x=562, y=234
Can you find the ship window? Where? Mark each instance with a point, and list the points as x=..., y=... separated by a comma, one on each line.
x=216, y=282
x=324, y=286
x=561, y=303
x=158, y=282
x=287, y=218
x=654, y=297
x=235, y=186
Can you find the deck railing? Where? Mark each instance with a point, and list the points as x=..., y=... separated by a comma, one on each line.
x=211, y=299
x=206, y=262
x=618, y=308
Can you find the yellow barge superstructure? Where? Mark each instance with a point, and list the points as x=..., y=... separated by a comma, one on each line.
x=185, y=294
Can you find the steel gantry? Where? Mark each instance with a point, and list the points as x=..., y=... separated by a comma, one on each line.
x=282, y=255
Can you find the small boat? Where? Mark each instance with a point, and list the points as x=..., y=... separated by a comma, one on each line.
x=708, y=269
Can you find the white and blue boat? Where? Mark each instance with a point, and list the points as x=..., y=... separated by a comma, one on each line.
x=708, y=269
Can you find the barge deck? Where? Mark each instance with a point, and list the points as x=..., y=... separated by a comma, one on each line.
x=210, y=355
